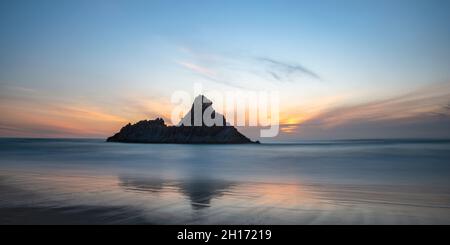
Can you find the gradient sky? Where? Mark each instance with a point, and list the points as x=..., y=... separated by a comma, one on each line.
x=345, y=69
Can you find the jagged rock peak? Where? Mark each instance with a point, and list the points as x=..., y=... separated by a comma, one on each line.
x=202, y=99
x=156, y=131
x=204, y=103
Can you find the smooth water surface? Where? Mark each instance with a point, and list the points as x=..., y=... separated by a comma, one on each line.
x=79, y=181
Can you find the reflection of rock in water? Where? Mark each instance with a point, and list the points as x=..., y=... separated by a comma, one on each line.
x=199, y=191
x=202, y=192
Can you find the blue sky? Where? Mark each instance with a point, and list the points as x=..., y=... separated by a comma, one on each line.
x=96, y=55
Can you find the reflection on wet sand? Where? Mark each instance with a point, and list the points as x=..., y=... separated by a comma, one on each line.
x=142, y=199
x=90, y=198
x=199, y=191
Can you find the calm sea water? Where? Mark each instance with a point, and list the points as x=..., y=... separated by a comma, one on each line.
x=72, y=181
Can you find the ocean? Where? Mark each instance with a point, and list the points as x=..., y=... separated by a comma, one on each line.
x=90, y=181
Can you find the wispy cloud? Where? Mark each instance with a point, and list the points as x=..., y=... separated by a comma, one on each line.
x=417, y=104
x=208, y=74
x=39, y=113
x=427, y=108
x=278, y=69
x=243, y=71
x=275, y=75
x=197, y=68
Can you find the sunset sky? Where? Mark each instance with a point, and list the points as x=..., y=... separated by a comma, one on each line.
x=344, y=69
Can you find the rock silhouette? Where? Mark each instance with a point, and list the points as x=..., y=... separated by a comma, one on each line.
x=191, y=129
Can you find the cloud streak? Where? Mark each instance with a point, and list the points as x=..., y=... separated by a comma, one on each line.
x=278, y=69
x=419, y=113
x=421, y=103
x=197, y=68
x=243, y=71
x=208, y=73
x=28, y=112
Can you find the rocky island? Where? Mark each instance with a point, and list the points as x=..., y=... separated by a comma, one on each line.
x=188, y=131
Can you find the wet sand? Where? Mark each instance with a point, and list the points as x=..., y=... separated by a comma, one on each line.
x=40, y=198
